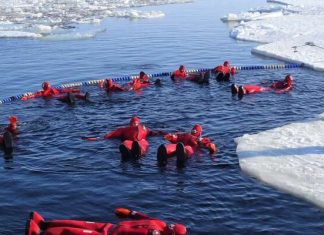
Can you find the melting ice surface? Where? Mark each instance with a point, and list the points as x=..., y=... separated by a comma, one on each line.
x=60, y=19
x=291, y=30
x=290, y=158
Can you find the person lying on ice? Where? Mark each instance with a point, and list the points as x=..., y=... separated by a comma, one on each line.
x=198, y=77
x=49, y=92
x=224, y=72
x=6, y=140
x=278, y=86
x=184, y=145
x=134, y=139
x=141, y=224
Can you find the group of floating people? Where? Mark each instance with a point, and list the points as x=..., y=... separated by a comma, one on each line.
x=135, y=136
x=135, y=145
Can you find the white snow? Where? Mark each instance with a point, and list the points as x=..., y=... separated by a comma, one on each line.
x=40, y=18
x=291, y=31
x=290, y=158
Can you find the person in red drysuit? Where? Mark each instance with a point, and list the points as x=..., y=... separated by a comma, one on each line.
x=184, y=145
x=6, y=140
x=247, y=89
x=179, y=73
x=142, y=81
x=141, y=224
x=139, y=82
x=134, y=139
x=49, y=92
x=224, y=72
x=198, y=77
x=278, y=87
x=110, y=86
x=283, y=86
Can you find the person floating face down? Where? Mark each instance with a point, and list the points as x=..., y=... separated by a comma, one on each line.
x=63, y=94
x=140, y=224
x=224, y=72
x=134, y=137
x=184, y=145
x=6, y=139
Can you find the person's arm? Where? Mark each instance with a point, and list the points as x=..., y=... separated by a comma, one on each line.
x=171, y=137
x=288, y=88
x=156, y=132
x=207, y=143
x=233, y=71
x=127, y=213
x=67, y=90
x=31, y=96
x=118, y=133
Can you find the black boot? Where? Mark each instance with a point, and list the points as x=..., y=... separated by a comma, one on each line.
x=161, y=156
x=7, y=142
x=125, y=152
x=70, y=98
x=181, y=155
x=136, y=150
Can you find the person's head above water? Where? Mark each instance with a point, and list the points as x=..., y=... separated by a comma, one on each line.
x=289, y=79
x=46, y=85
x=182, y=68
x=196, y=130
x=226, y=63
x=142, y=74
x=135, y=121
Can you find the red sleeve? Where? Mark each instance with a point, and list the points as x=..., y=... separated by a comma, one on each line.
x=233, y=71
x=171, y=137
x=34, y=95
x=157, y=133
x=139, y=215
x=118, y=133
x=66, y=90
x=288, y=88
x=207, y=143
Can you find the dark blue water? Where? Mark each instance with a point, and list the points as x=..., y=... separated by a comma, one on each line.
x=56, y=173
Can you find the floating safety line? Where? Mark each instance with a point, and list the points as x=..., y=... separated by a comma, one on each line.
x=154, y=75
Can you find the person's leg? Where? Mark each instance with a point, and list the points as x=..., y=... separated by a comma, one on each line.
x=139, y=148
x=125, y=149
x=8, y=142
x=85, y=97
x=70, y=231
x=219, y=76
x=161, y=156
x=181, y=154
x=94, y=226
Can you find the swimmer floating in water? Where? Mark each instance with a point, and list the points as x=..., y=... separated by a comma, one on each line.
x=141, y=224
